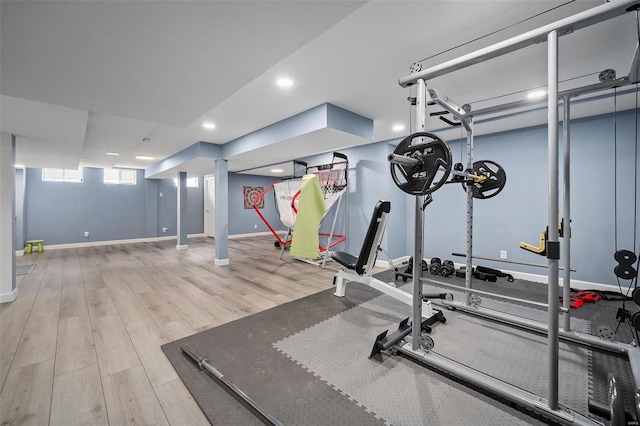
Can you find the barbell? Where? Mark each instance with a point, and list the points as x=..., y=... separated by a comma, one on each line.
x=422, y=162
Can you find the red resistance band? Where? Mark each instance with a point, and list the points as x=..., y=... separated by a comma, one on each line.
x=579, y=298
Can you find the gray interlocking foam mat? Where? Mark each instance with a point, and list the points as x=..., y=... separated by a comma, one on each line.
x=335, y=351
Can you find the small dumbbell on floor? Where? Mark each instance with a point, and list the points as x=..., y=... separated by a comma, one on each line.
x=447, y=268
x=435, y=265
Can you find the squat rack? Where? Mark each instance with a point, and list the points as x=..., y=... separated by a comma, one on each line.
x=549, y=33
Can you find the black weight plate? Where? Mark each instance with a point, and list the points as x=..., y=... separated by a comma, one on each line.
x=626, y=272
x=496, y=179
x=461, y=273
x=448, y=262
x=433, y=168
x=434, y=268
x=635, y=320
x=425, y=266
x=447, y=270
x=436, y=260
x=625, y=256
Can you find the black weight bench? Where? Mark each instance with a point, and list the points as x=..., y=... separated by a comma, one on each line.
x=360, y=269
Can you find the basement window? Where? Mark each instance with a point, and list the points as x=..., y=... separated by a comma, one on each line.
x=191, y=182
x=62, y=175
x=120, y=176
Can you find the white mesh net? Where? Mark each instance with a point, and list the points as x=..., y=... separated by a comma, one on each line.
x=333, y=182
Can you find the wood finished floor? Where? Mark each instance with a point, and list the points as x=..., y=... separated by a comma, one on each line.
x=81, y=343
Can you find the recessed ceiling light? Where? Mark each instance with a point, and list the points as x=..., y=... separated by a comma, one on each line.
x=209, y=125
x=398, y=127
x=144, y=157
x=536, y=94
x=277, y=171
x=284, y=82
x=112, y=153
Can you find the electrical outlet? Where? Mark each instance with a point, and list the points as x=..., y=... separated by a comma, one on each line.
x=86, y=234
x=165, y=229
x=503, y=254
x=255, y=226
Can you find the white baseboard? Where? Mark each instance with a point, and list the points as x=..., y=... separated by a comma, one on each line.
x=9, y=297
x=182, y=246
x=252, y=234
x=20, y=252
x=576, y=284
x=544, y=279
x=221, y=262
x=112, y=242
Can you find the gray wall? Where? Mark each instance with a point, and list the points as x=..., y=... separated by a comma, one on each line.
x=519, y=213
x=247, y=221
x=60, y=212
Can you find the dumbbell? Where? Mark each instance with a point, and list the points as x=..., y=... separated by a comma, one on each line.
x=461, y=272
x=409, y=269
x=447, y=268
x=435, y=265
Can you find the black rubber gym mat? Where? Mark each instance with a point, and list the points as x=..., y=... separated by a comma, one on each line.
x=242, y=350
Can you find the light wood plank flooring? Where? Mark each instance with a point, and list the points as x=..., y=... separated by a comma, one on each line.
x=81, y=344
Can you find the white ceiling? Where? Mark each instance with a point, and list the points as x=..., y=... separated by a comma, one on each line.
x=80, y=79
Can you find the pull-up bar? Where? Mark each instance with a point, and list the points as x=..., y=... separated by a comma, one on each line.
x=539, y=35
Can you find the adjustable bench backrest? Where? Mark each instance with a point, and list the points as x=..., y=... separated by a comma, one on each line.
x=369, y=251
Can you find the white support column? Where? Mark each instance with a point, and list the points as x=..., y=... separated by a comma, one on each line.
x=181, y=234
x=566, y=212
x=553, y=244
x=8, y=290
x=222, y=211
x=418, y=247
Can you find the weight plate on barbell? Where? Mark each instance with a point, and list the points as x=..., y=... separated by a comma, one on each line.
x=432, y=169
x=496, y=179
